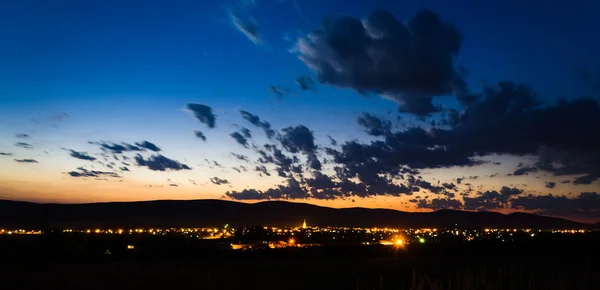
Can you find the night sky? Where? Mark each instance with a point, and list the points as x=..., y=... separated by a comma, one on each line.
x=409, y=105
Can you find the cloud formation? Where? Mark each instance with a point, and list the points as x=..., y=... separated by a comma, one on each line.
x=409, y=63
x=22, y=136
x=203, y=113
x=305, y=83
x=148, y=145
x=239, y=138
x=491, y=199
x=82, y=172
x=116, y=148
x=218, y=181
x=503, y=119
x=24, y=145
x=81, y=155
x=246, y=132
x=160, y=163
x=374, y=126
x=263, y=170
x=524, y=171
x=256, y=121
x=585, y=205
x=240, y=157
x=5, y=154
x=438, y=203
x=26, y=160
x=298, y=139
x=199, y=135
x=247, y=26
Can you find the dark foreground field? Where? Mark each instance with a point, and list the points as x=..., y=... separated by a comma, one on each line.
x=560, y=263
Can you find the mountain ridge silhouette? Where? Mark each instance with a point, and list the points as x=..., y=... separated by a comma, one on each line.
x=216, y=213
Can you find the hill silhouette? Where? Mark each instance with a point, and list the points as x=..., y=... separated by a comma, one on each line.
x=216, y=213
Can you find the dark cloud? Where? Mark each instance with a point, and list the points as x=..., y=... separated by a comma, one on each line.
x=525, y=170
x=148, y=145
x=586, y=205
x=246, y=194
x=291, y=190
x=503, y=119
x=26, y=160
x=550, y=184
x=438, y=203
x=322, y=186
x=81, y=155
x=332, y=141
x=160, y=163
x=173, y=184
x=246, y=132
x=413, y=182
x=398, y=153
x=374, y=125
x=203, y=113
x=283, y=162
x=124, y=168
x=586, y=179
x=239, y=138
x=218, y=181
x=297, y=139
x=240, y=157
x=116, y=148
x=313, y=161
x=409, y=63
x=300, y=139
x=305, y=83
x=24, y=145
x=262, y=169
x=200, y=135
x=491, y=199
x=450, y=186
x=5, y=154
x=256, y=121
x=82, y=172
x=22, y=136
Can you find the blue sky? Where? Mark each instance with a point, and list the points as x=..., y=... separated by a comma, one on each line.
x=124, y=71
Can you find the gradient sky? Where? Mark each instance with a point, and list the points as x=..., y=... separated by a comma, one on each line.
x=72, y=72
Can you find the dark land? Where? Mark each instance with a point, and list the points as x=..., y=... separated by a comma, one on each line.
x=505, y=259
x=80, y=261
x=215, y=213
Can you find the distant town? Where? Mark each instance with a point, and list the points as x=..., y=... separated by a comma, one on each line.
x=304, y=235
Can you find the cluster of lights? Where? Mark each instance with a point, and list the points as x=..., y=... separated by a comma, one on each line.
x=19, y=232
x=372, y=235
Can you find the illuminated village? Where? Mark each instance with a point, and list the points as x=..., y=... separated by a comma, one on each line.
x=259, y=237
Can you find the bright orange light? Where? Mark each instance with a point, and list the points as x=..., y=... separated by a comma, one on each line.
x=399, y=242
x=291, y=241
